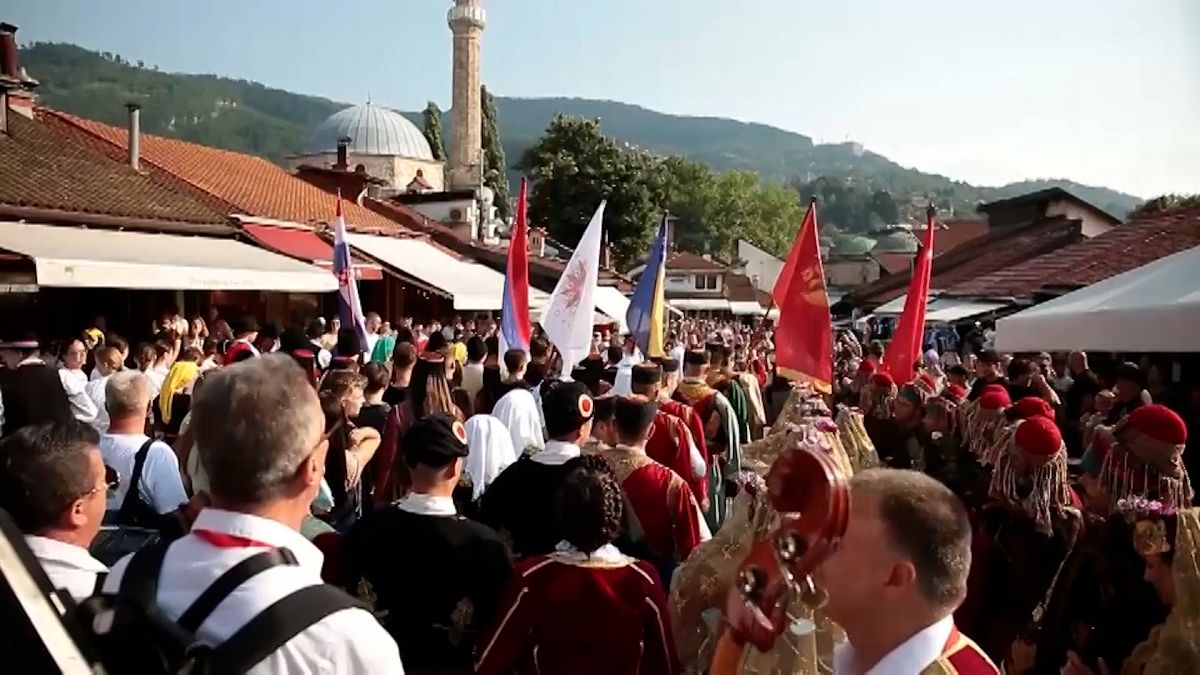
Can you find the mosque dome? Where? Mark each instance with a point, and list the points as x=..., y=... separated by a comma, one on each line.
x=897, y=241
x=372, y=130
x=852, y=245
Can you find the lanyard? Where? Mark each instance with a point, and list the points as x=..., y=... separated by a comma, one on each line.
x=226, y=540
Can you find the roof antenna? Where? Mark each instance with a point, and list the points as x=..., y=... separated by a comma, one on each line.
x=368, y=97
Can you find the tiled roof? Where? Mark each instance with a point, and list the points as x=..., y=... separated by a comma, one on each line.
x=894, y=263
x=250, y=184
x=1136, y=243
x=983, y=255
x=954, y=233
x=43, y=169
x=683, y=260
x=1041, y=197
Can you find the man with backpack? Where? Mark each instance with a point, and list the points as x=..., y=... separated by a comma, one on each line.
x=244, y=584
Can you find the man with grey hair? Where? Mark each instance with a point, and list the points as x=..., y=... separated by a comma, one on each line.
x=148, y=470
x=260, y=433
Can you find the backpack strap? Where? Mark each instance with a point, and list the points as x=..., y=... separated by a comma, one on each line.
x=139, y=584
x=276, y=625
x=200, y=609
x=101, y=577
x=128, y=504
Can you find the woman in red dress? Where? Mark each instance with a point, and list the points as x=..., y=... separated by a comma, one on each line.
x=586, y=608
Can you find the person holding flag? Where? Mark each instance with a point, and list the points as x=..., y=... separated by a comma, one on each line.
x=804, y=331
x=568, y=318
x=515, y=330
x=906, y=346
x=349, y=307
x=647, y=308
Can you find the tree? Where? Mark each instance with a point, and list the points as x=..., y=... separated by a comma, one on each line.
x=433, y=131
x=495, y=168
x=573, y=167
x=885, y=207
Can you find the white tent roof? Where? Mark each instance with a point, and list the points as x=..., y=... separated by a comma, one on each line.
x=1154, y=308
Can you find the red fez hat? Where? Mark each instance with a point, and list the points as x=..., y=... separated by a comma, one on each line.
x=993, y=387
x=882, y=380
x=1159, y=423
x=927, y=381
x=867, y=367
x=994, y=400
x=1032, y=406
x=1038, y=437
x=1156, y=434
x=956, y=392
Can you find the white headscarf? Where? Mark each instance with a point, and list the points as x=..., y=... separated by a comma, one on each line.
x=491, y=451
x=518, y=410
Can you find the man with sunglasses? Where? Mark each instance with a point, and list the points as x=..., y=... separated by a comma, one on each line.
x=53, y=483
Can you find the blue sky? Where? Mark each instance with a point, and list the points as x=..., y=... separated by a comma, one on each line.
x=1104, y=92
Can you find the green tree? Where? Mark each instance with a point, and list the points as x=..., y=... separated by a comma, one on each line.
x=433, y=130
x=573, y=166
x=495, y=168
x=885, y=207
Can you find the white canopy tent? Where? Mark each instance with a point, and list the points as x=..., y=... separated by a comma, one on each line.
x=1154, y=308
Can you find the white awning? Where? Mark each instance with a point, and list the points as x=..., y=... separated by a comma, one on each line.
x=700, y=304
x=613, y=303
x=895, y=306
x=746, y=308
x=474, y=287
x=74, y=257
x=1153, y=308
x=949, y=310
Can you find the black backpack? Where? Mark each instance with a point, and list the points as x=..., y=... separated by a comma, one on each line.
x=132, y=635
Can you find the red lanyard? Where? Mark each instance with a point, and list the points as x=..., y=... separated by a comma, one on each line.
x=225, y=540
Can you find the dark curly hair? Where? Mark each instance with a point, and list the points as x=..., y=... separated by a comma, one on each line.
x=589, y=504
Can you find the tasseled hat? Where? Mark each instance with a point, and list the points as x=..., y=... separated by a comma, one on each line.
x=1146, y=459
x=880, y=395
x=982, y=419
x=1030, y=406
x=955, y=393
x=926, y=382
x=1042, y=466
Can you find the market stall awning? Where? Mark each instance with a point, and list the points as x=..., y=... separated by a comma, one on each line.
x=941, y=310
x=74, y=257
x=473, y=287
x=700, y=304
x=1153, y=308
x=746, y=308
x=306, y=245
x=613, y=303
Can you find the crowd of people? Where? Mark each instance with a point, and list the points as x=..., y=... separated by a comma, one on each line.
x=312, y=499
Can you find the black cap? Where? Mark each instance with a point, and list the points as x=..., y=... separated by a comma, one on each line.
x=634, y=414
x=566, y=406
x=434, y=440
x=669, y=365
x=244, y=324
x=606, y=407
x=646, y=373
x=696, y=357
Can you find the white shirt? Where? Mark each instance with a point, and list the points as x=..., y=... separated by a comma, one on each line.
x=427, y=505
x=372, y=339
x=472, y=378
x=160, y=485
x=556, y=453
x=73, y=383
x=69, y=567
x=348, y=641
x=322, y=354
x=96, y=390
x=156, y=376
x=911, y=657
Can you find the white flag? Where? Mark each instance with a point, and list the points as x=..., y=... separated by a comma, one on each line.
x=569, y=316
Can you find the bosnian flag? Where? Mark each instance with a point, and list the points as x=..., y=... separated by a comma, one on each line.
x=349, y=306
x=515, y=328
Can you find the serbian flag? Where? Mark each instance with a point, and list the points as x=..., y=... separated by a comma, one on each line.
x=905, y=348
x=515, y=328
x=349, y=306
x=804, y=332
x=647, y=307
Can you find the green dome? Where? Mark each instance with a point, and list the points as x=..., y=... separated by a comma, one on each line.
x=900, y=241
x=853, y=245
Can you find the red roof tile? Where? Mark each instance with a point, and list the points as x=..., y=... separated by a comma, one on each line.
x=684, y=260
x=43, y=169
x=894, y=263
x=1136, y=243
x=249, y=184
x=954, y=233
x=983, y=255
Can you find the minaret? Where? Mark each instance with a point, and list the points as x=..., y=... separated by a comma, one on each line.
x=465, y=170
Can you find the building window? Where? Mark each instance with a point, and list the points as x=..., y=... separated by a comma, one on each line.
x=706, y=282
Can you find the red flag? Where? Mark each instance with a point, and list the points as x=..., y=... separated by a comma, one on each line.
x=905, y=347
x=804, y=334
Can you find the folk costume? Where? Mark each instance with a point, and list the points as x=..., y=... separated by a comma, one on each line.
x=438, y=602
x=671, y=443
x=722, y=437
x=594, y=613
x=1174, y=646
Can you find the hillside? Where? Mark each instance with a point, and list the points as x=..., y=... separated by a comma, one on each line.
x=250, y=117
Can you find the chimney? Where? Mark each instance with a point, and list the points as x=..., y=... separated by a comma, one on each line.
x=8, y=51
x=537, y=242
x=343, y=145
x=606, y=256
x=135, y=135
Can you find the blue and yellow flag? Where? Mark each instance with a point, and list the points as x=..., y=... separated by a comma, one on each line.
x=647, y=308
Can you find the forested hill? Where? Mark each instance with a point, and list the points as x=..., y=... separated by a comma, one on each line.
x=273, y=123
